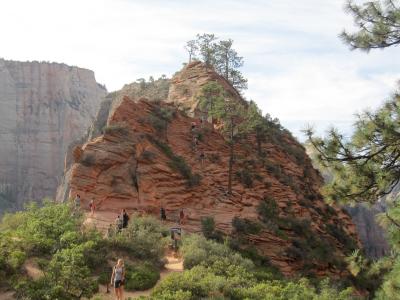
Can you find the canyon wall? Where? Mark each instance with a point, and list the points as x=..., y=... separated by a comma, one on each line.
x=44, y=107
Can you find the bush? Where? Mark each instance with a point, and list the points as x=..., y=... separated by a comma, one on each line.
x=268, y=209
x=88, y=159
x=177, y=163
x=214, y=158
x=116, y=129
x=208, y=229
x=197, y=250
x=245, y=226
x=141, y=277
x=148, y=155
x=245, y=177
x=337, y=232
x=143, y=238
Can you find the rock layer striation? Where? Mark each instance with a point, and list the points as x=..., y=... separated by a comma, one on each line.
x=44, y=107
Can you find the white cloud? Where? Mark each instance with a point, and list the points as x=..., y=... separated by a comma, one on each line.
x=298, y=69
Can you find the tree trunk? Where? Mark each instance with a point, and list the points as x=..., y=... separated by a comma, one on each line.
x=230, y=161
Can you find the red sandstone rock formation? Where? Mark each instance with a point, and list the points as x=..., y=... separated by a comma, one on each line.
x=127, y=167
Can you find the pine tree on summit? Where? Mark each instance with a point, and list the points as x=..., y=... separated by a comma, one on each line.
x=220, y=56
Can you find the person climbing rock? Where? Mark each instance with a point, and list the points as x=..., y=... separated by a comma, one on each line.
x=77, y=202
x=110, y=231
x=125, y=218
x=202, y=157
x=118, y=223
x=118, y=279
x=193, y=126
x=181, y=217
x=92, y=207
x=163, y=216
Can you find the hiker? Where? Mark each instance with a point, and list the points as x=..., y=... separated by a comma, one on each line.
x=110, y=231
x=125, y=218
x=77, y=202
x=175, y=237
x=118, y=279
x=181, y=217
x=193, y=126
x=118, y=223
x=163, y=216
x=92, y=207
x=202, y=157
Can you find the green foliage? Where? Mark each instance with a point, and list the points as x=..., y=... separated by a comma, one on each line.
x=214, y=158
x=154, y=90
x=378, y=23
x=144, y=238
x=148, y=155
x=177, y=163
x=116, y=129
x=208, y=229
x=365, y=167
x=245, y=226
x=50, y=231
x=160, y=117
x=141, y=277
x=338, y=232
x=197, y=250
x=73, y=261
x=293, y=290
x=88, y=159
x=246, y=177
x=219, y=55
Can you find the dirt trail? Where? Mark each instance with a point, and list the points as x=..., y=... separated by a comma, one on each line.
x=174, y=264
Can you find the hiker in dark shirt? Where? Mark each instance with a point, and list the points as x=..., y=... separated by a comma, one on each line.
x=162, y=214
x=125, y=218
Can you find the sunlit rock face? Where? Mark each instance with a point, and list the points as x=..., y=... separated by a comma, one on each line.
x=43, y=108
x=128, y=166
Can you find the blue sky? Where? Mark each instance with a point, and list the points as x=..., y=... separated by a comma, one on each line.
x=298, y=69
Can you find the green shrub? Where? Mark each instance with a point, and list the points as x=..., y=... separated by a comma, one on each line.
x=208, y=229
x=141, y=277
x=197, y=250
x=245, y=226
x=343, y=237
x=118, y=129
x=143, y=238
x=214, y=158
x=88, y=159
x=268, y=209
x=245, y=177
x=148, y=155
x=177, y=163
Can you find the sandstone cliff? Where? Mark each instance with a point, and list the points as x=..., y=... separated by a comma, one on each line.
x=44, y=107
x=275, y=209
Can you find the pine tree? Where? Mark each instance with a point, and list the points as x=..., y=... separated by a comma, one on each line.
x=220, y=56
x=227, y=63
x=378, y=23
x=210, y=94
x=207, y=48
x=192, y=48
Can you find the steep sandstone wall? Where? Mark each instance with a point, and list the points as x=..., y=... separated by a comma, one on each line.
x=44, y=107
x=130, y=167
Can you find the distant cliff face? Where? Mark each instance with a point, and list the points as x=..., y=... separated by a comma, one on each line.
x=372, y=236
x=44, y=107
x=275, y=208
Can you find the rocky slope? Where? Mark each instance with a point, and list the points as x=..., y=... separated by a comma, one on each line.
x=275, y=209
x=44, y=107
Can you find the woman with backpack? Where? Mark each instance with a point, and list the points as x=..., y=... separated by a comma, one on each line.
x=118, y=279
